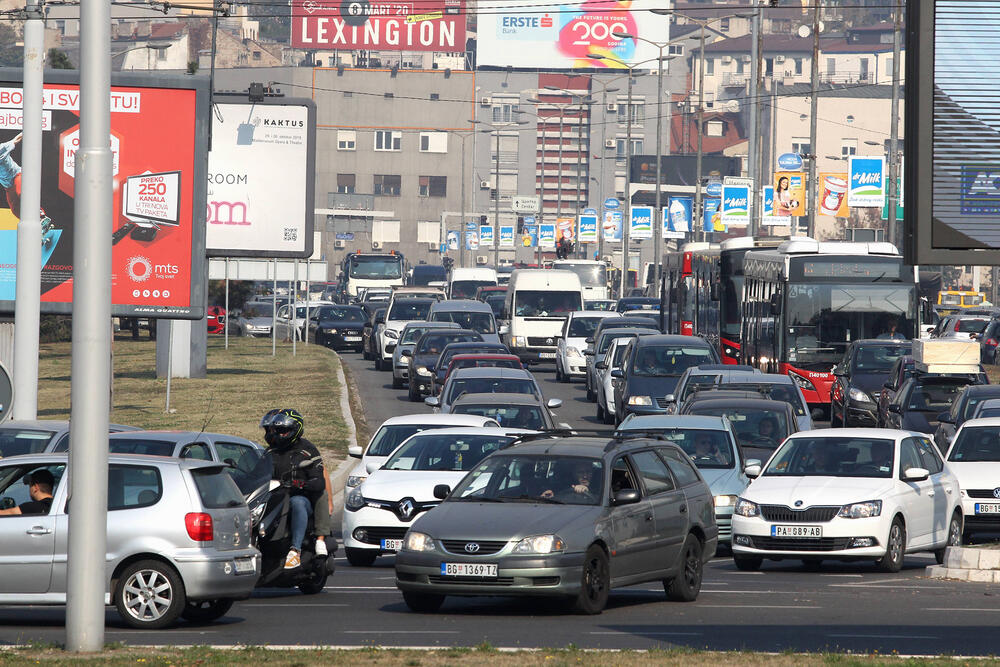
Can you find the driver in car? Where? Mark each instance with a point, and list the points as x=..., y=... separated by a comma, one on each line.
x=579, y=482
x=40, y=484
x=766, y=431
x=648, y=362
x=704, y=448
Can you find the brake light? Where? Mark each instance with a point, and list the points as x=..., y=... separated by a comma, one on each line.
x=199, y=526
x=992, y=342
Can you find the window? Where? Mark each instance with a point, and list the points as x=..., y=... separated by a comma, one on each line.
x=216, y=488
x=197, y=451
x=801, y=146
x=848, y=147
x=622, y=478
x=130, y=487
x=709, y=66
x=12, y=486
x=798, y=65
x=505, y=112
x=680, y=466
x=636, y=148
x=435, y=96
x=909, y=457
x=740, y=66
x=888, y=66
x=433, y=186
x=346, y=183
x=433, y=142
x=428, y=232
x=724, y=24
x=675, y=49
x=831, y=66
x=388, y=140
x=385, y=231
x=713, y=128
x=655, y=476
x=387, y=185
x=256, y=55
x=346, y=140
x=638, y=114
x=14, y=441
x=928, y=456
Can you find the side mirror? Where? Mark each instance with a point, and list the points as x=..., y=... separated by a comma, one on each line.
x=670, y=398
x=554, y=403
x=839, y=373
x=625, y=497
x=441, y=491
x=895, y=408
x=589, y=352
x=887, y=385
x=752, y=471
x=600, y=366
x=433, y=401
x=617, y=373
x=915, y=474
x=504, y=329
x=406, y=353
x=589, y=341
x=946, y=418
x=371, y=467
x=355, y=452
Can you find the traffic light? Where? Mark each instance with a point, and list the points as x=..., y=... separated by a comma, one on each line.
x=520, y=225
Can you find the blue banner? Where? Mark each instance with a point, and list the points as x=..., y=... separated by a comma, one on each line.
x=472, y=240
x=486, y=235
x=529, y=236
x=678, y=217
x=641, y=223
x=735, y=205
x=613, y=226
x=711, y=220
x=587, y=232
x=867, y=181
x=506, y=237
x=547, y=236
x=452, y=241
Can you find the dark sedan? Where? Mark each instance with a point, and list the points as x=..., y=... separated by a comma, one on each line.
x=860, y=376
x=465, y=347
x=962, y=408
x=901, y=371
x=425, y=354
x=337, y=327
x=923, y=398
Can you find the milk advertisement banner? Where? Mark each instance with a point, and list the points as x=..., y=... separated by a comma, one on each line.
x=588, y=229
x=641, y=223
x=677, y=217
x=768, y=217
x=867, y=181
x=506, y=236
x=486, y=235
x=735, y=205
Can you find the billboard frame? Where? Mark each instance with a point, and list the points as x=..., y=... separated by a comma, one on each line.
x=310, y=207
x=198, y=295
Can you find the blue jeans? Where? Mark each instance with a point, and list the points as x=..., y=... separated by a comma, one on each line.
x=300, y=508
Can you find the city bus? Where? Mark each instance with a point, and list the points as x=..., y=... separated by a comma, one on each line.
x=678, y=293
x=806, y=301
x=371, y=270
x=730, y=292
x=951, y=301
x=593, y=276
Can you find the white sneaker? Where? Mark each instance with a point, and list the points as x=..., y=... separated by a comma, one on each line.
x=321, y=548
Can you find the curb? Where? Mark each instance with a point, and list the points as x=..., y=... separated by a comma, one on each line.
x=338, y=478
x=968, y=564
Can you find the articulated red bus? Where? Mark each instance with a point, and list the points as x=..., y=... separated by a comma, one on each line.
x=679, y=291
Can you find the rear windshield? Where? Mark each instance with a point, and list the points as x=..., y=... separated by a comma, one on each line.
x=389, y=437
x=461, y=386
x=971, y=326
x=141, y=446
x=409, y=309
x=485, y=363
x=216, y=488
x=14, y=442
x=434, y=343
x=776, y=392
x=755, y=427
x=509, y=416
x=933, y=397
x=466, y=289
x=583, y=327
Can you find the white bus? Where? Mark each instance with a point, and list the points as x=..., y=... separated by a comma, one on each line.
x=538, y=303
x=593, y=276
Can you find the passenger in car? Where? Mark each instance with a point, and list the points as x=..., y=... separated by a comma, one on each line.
x=40, y=484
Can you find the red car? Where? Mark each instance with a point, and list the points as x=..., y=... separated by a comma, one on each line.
x=487, y=360
x=485, y=291
x=216, y=316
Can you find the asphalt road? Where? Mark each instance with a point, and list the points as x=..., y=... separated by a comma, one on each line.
x=843, y=607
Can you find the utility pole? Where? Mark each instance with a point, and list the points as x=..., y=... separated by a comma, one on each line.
x=461, y=222
x=813, y=194
x=496, y=212
x=894, y=128
x=753, y=136
x=541, y=200
x=658, y=213
x=29, y=227
x=627, y=214
x=579, y=178
x=700, y=130
x=91, y=385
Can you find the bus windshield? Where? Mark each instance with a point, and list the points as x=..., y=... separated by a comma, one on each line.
x=591, y=275
x=822, y=320
x=375, y=267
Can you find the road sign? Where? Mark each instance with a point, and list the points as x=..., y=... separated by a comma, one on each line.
x=525, y=204
x=737, y=180
x=443, y=249
x=714, y=189
x=789, y=162
x=612, y=204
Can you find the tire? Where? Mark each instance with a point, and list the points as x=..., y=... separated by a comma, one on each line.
x=206, y=611
x=412, y=392
x=748, y=563
x=955, y=537
x=558, y=372
x=146, y=577
x=591, y=394
x=833, y=418
x=396, y=383
x=423, y=603
x=687, y=584
x=360, y=557
x=313, y=585
x=895, y=548
x=378, y=361
x=602, y=414
x=595, y=582
x=364, y=353
x=609, y=417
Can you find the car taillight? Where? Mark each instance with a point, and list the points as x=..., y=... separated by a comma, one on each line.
x=957, y=322
x=199, y=526
x=992, y=342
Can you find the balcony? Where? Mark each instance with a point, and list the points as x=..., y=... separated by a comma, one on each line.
x=350, y=202
x=735, y=79
x=847, y=77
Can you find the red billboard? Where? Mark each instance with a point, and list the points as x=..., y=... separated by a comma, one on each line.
x=400, y=25
x=157, y=232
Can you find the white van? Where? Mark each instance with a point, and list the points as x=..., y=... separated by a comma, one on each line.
x=462, y=282
x=538, y=303
x=593, y=276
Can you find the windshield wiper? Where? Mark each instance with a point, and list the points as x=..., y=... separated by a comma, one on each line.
x=538, y=499
x=483, y=499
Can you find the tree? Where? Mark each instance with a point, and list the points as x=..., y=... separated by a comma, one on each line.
x=239, y=292
x=11, y=53
x=193, y=67
x=57, y=59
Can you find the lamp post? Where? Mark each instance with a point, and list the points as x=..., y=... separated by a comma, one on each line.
x=151, y=46
x=581, y=101
x=461, y=224
x=490, y=128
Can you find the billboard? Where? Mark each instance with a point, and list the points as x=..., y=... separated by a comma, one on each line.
x=260, y=178
x=588, y=228
x=833, y=195
x=399, y=25
x=789, y=193
x=767, y=216
x=711, y=217
x=486, y=235
x=547, y=235
x=523, y=33
x=677, y=217
x=565, y=228
x=159, y=134
x=866, y=181
x=641, y=223
x=613, y=225
x=735, y=205
x=506, y=236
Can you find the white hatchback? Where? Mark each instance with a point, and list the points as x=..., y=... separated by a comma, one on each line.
x=579, y=326
x=378, y=513
x=974, y=458
x=848, y=494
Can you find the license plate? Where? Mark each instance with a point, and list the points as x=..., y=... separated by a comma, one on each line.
x=352, y=339
x=987, y=508
x=245, y=565
x=546, y=355
x=468, y=569
x=797, y=531
x=392, y=545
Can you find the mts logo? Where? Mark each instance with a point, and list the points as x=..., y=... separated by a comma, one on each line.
x=166, y=269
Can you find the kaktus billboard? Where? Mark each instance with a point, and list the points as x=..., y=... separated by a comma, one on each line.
x=159, y=135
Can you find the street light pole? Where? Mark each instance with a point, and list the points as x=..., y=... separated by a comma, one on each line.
x=813, y=107
x=496, y=212
x=627, y=216
x=894, y=129
x=701, y=132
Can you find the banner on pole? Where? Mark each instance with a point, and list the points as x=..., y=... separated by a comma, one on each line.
x=641, y=223
x=677, y=217
x=735, y=205
x=867, y=181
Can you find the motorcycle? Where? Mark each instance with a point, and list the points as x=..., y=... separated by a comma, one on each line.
x=271, y=533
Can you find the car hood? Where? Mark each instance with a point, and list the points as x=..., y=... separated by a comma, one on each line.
x=728, y=481
x=924, y=421
x=870, y=383
x=813, y=491
x=976, y=474
x=417, y=484
x=427, y=360
x=257, y=321
x=657, y=386
x=578, y=342
x=510, y=520
x=341, y=324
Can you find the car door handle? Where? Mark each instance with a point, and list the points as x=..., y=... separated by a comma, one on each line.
x=38, y=530
x=947, y=489
x=649, y=517
x=930, y=493
x=684, y=509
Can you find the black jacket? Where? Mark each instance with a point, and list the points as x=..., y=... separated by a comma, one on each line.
x=286, y=467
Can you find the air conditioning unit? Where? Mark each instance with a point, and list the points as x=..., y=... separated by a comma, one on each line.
x=726, y=60
x=484, y=185
x=612, y=108
x=485, y=102
x=610, y=143
x=376, y=245
x=482, y=259
x=746, y=58
x=340, y=244
x=432, y=246
x=779, y=59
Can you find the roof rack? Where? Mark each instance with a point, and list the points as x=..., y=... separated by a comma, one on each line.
x=557, y=433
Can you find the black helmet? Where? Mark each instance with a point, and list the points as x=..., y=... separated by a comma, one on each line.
x=282, y=427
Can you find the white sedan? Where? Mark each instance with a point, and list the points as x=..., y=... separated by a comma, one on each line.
x=848, y=494
x=605, y=390
x=579, y=326
x=974, y=458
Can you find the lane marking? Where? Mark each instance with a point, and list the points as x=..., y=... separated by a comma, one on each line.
x=624, y=633
x=963, y=609
x=858, y=576
x=359, y=588
x=884, y=636
x=754, y=606
x=401, y=632
x=289, y=604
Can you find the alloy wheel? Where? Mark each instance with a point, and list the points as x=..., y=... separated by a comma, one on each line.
x=147, y=595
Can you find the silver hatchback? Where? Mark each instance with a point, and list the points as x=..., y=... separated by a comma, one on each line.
x=178, y=538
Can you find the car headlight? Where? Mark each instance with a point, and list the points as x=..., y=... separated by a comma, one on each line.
x=864, y=510
x=802, y=382
x=415, y=541
x=355, y=480
x=856, y=394
x=423, y=370
x=573, y=352
x=355, y=500
x=331, y=331
x=745, y=507
x=520, y=341
x=392, y=333
x=540, y=544
x=640, y=400
x=725, y=501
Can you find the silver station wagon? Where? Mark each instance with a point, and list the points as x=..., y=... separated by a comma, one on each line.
x=178, y=537
x=567, y=517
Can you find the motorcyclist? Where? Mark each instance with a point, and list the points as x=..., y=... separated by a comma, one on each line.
x=307, y=484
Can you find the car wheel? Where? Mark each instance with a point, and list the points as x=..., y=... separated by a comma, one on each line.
x=609, y=416
x=748, y=563
x=360, y=557
x=378, y=362
x=895, y=547
x=954, y=537
x=149, y=595
x=423, y=603
x=687, y=584
x=595, y=582
x=396, y=383
x=833, y=417
x=206, y=611
x=412, y=392
x=601, y=413
x=591, y=395
x=558, y=372
x=313, y=585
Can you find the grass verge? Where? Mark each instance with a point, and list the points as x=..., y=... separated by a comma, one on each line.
x=484, y=656
x=243, y=383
